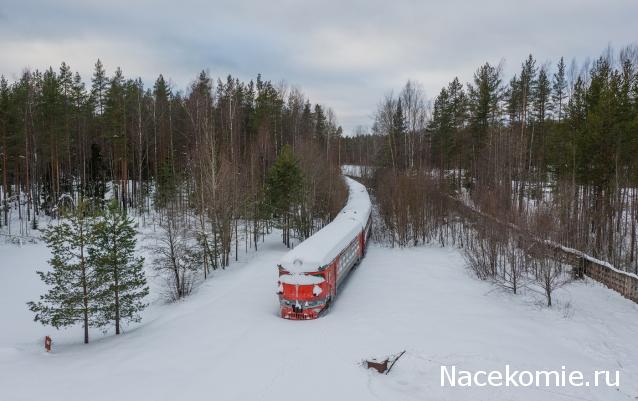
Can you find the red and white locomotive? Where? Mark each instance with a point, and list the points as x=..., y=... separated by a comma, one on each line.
x=311, y=273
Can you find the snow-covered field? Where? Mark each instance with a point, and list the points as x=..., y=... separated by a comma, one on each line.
x=226, y=341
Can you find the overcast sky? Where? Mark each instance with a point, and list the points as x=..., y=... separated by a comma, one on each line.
x=343, y=54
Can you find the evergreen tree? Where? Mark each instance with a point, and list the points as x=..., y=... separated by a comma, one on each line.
x=559, y=89
x=320, y=122
x=4, y=123
x=78, y=93
x=528, y=76
x=576, y=119
x=52, y=128
x=540, y=103
x=541, y=95
x=398, y=121
x=398, y=133
x=440, y=126
x=306, y=120
x=283, y=189
x=66, y=79
x=114, y=107
x=485, y=95
x=513, y=100
x=162, y=134
x=121, y=273
x=167, y=185
x=73, y=296
x=99, y=87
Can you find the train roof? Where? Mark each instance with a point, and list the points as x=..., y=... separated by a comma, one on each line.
x=323, y=246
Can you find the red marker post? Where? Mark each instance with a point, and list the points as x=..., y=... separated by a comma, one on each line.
x=47, y=343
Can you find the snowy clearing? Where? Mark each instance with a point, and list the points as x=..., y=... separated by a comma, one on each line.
x=226, y=342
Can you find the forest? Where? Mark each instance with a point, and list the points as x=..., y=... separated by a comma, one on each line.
x=206, y=172
x=548, y=154
x=200, y=156
x=551, y=151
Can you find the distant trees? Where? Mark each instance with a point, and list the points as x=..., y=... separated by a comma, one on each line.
x=399, y=124
x=202, y=154
x=449, y=119
x=411, y=209
x=548, y=144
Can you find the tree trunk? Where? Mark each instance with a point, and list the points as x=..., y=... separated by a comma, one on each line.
x=117, y=290
x=85, y=296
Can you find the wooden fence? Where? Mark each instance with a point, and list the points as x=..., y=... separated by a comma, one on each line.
x=626, y=284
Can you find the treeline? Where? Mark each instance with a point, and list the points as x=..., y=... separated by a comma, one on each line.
x=198, y=157
x=553, y=150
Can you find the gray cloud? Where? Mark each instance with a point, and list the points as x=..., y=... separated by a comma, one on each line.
x=344, y=54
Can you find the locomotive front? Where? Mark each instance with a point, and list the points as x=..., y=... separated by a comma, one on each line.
x=302, y=296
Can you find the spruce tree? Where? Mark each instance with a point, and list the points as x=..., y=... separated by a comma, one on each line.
x=320, y=122
x=283, y=189
x=74, y=283
x=440, y=127
x=121, y=296
x=398, y=133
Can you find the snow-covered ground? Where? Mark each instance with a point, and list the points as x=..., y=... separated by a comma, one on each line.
x=226, y=341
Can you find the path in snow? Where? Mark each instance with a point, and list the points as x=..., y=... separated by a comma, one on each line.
x=226, y=342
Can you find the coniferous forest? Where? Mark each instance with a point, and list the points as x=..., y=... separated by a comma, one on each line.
x=199, y=155
x=551, y=150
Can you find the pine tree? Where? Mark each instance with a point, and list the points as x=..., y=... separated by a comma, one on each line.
x=99, y=87
x=559, y=89
x=65, y=77
x=485, y=95
x=541, y=93
x=74, y=284
x=121, y=273
x=52, y=128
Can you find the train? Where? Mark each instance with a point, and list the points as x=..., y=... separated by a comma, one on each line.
x=312, y=273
